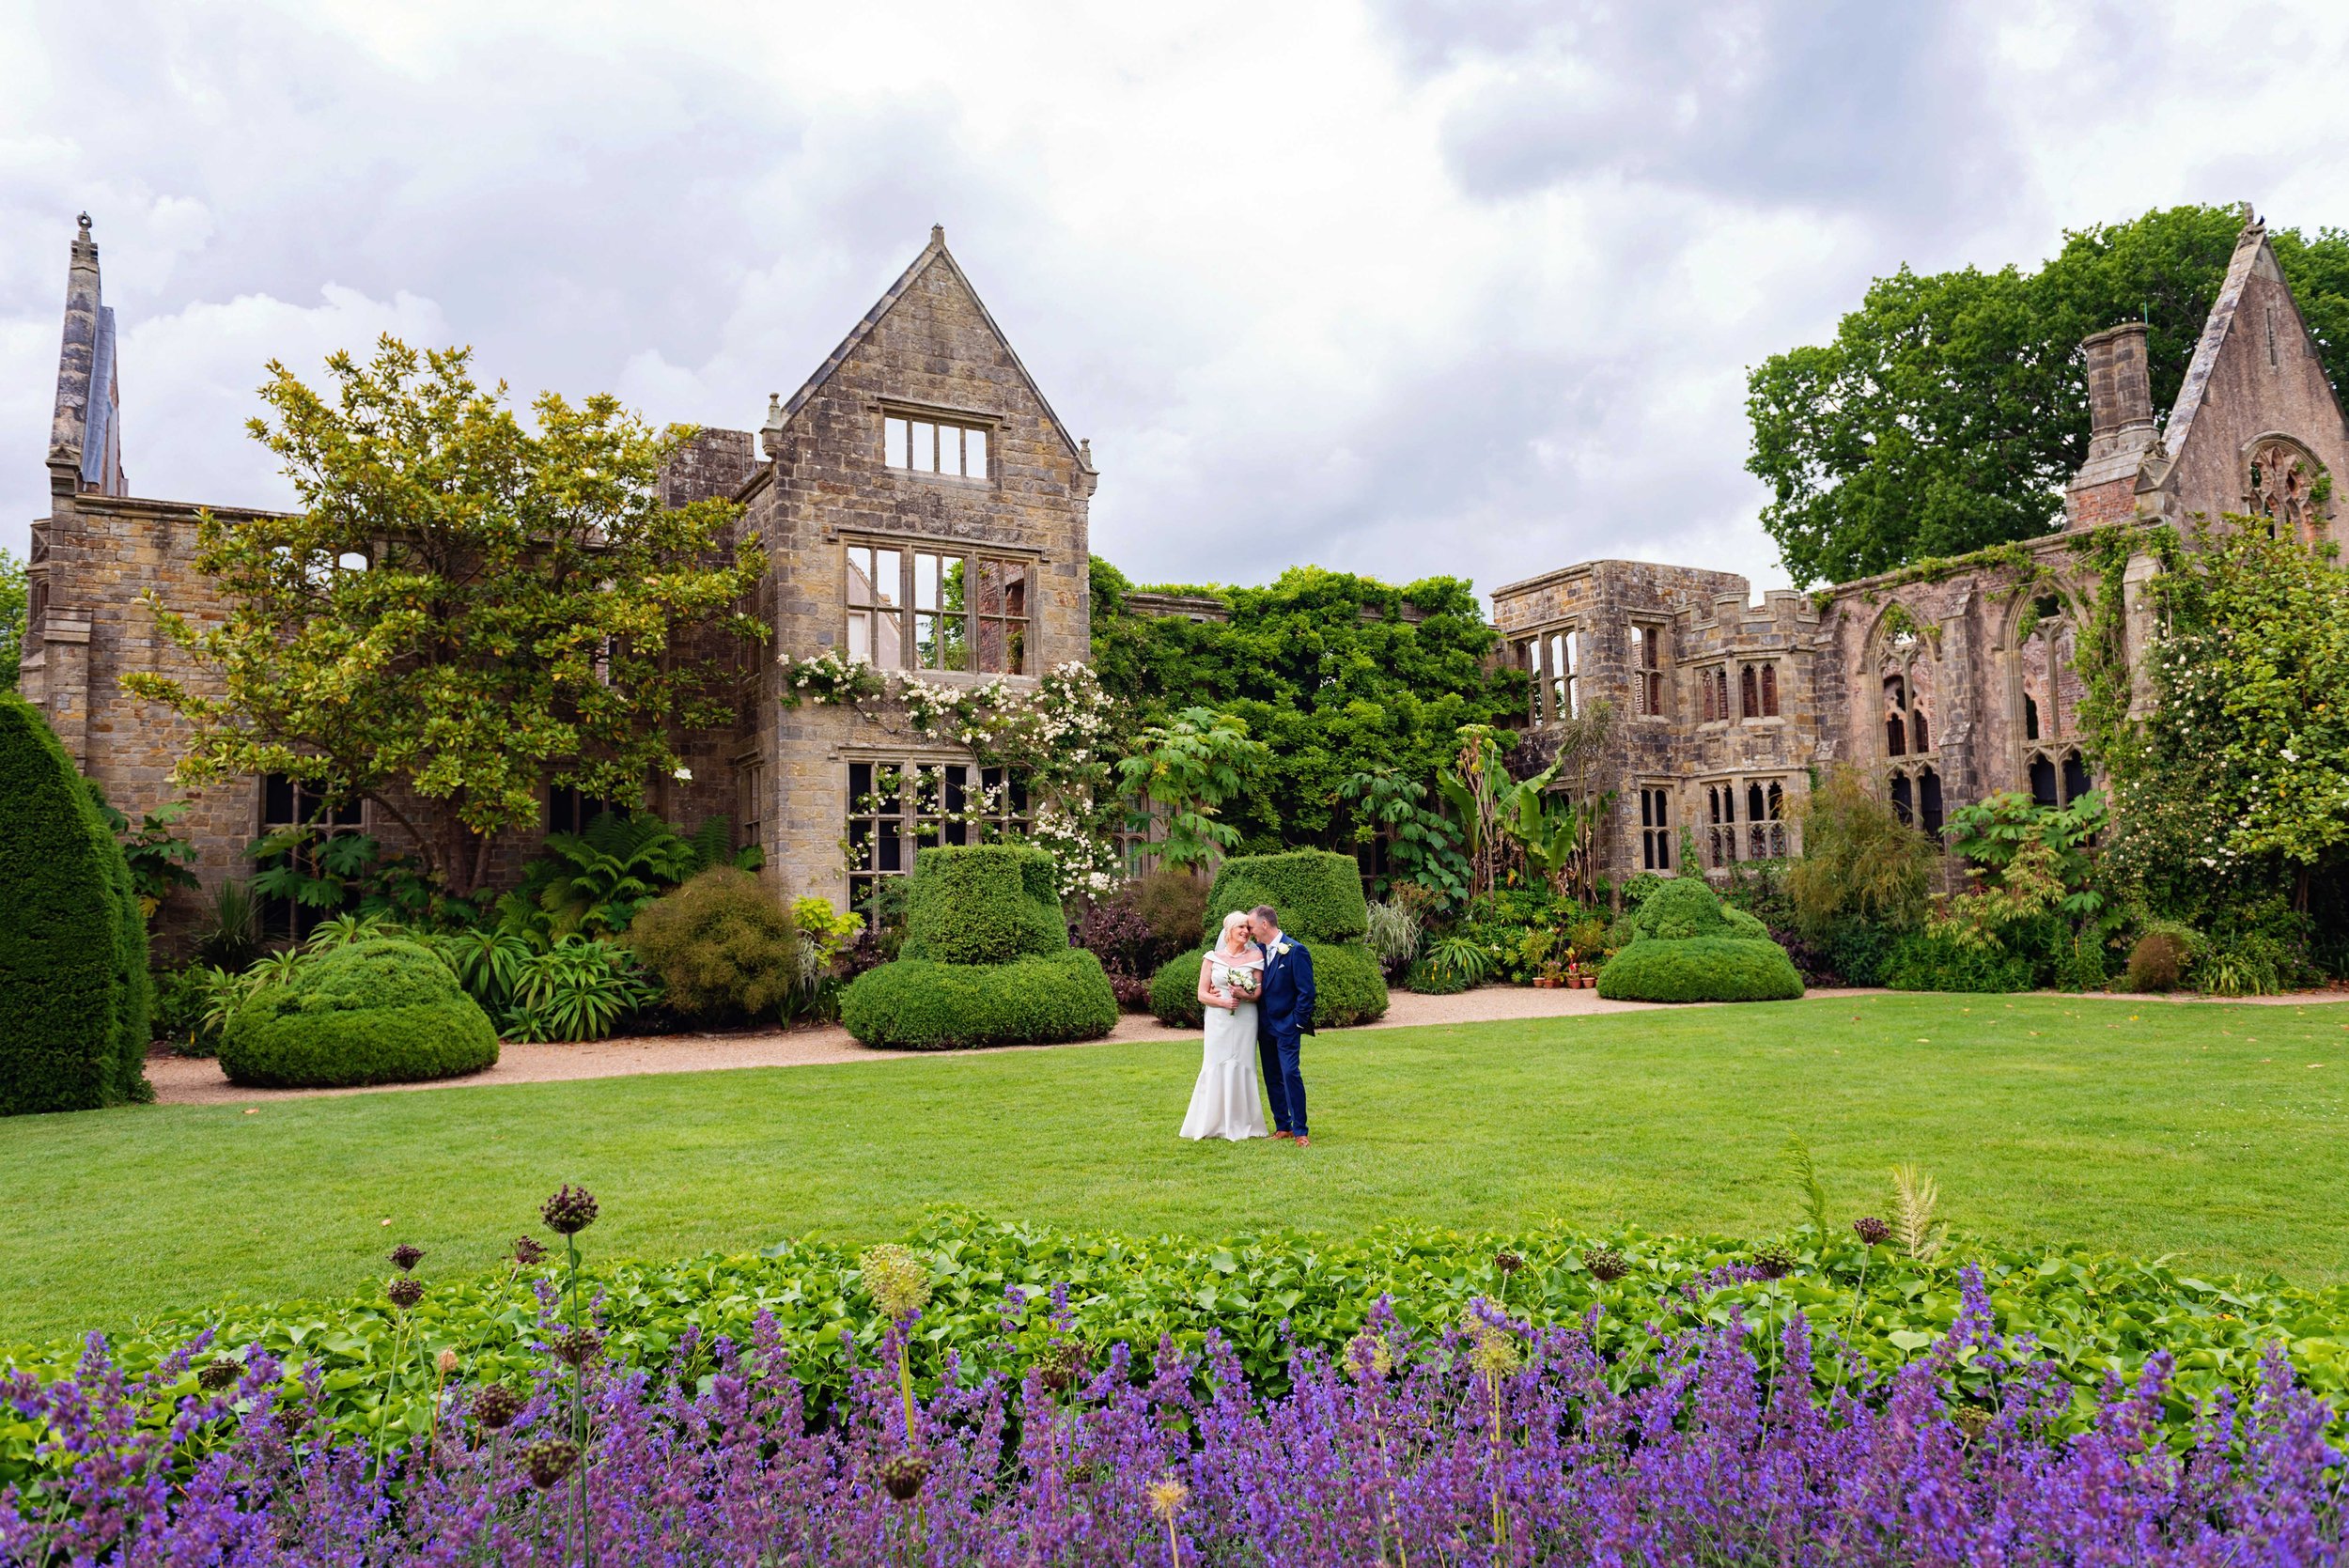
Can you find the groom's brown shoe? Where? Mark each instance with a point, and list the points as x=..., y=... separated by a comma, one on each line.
x=1303, y=1142
x=1284, y=1133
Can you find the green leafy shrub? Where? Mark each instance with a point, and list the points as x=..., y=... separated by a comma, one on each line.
x=2091, y=1313
x=1428, y=980
x=1685, y=946
x=2158, y=961
x=1173, y=900
x=722, y=945
x=1859, y=861
x=922, y=1004
x=1317, y=893
x=986, y=904
x=1636, y=888
x=1348, y=990
x=596, y=882
x=578, y=989
x=1394, y=937
x=381, y=1010
x=74, y=990
x=1701, y=968
x=1948, y=961
x=985, y=960
x=2082, y=965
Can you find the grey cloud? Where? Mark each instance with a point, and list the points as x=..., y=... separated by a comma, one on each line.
x=1853, y=103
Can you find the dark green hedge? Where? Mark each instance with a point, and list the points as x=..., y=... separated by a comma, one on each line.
x=375, y=1011
x=1347, y=988
x=1701, y=968
x=1319, y=894
x=920, y=1004
x=73, y=986
x=1929, y=963
x=982, y=905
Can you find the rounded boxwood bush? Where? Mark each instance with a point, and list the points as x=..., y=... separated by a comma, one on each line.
x=985, y=904
x=1349, y=988
x=1318, y=891
x=922, y=1004
x=381, y=1010
x=74, y=991
x=1701, y=968
x=722, y=944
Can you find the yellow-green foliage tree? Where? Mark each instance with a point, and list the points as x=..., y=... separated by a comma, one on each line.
x=464, y=607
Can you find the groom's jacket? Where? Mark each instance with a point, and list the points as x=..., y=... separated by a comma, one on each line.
x=1285, y=1007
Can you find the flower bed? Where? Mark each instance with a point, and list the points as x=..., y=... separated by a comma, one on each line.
x=1488, y=1440
x=1267, y=1294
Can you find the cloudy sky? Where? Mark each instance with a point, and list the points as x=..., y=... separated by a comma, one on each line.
x=1399, y=286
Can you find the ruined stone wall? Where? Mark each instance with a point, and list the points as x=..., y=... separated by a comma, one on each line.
x=930, y=349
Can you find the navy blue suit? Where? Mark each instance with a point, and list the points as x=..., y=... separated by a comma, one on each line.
x=1285, y=1016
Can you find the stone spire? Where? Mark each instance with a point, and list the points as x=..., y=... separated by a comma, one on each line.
x=85, y=432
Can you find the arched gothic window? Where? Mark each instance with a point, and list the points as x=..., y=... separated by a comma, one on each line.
x=2280, y=484
x=2047, y=693
x=1906, y=668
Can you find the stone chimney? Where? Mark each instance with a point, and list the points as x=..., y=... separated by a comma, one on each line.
x=2119, y=392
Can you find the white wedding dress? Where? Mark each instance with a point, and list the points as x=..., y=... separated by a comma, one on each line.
x=1224, y=1103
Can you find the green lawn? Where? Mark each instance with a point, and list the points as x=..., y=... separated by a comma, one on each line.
x=2208, y=1131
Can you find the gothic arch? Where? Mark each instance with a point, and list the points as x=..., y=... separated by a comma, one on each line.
x=2045, y=690
x=1900, y=674
x=2281, y=480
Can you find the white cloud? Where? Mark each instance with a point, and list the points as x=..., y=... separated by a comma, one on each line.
x=1392, y=286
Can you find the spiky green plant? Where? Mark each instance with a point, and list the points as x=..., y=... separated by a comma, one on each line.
x=1806, y=1178
x=1914, y=1199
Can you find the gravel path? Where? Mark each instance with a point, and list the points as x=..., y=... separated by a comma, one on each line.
x=196, y=1081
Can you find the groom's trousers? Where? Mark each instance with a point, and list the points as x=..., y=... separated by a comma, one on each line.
x=1283, y=1079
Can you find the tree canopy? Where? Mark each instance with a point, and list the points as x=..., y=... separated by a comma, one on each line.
x=464, y=609
x=14, y=603
x=1337, y=675
x=1950, y=410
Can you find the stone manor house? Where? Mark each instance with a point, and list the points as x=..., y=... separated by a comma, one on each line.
x=923, y=507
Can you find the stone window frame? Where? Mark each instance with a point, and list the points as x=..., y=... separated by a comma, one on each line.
x=569, y=810
x=1913, y=786
x=2051, y=765
x=1746, y=818
x=1758, y=687
x=750, y=800
x=899, y=822
x=1013, y=633
x=2301, y=513
x=1552, y=696
x=1655, y=827
x=988, y=426
x=1647, y=659
x=1713, y=693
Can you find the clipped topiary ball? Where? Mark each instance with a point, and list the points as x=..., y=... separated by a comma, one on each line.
x=377, y=1011
x=1318, y=891
x=986, y=904
x=1681, y=908
x=921, y=1005
x=73, y=984
x=1701, y=968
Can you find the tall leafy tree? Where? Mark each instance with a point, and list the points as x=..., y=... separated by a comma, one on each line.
x=1948, y=411
x=14, y=604
x=1337, y=675
x=464, y=608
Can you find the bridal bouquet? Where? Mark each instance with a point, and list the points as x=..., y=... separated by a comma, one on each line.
x=1243, y=982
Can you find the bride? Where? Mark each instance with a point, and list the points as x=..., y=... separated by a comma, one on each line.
x=1224, y=1102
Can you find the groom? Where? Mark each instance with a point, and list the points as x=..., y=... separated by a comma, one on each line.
x=1285, y=1016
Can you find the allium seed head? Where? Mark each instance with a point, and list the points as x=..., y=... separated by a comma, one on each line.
x=217, y=1374
x=571, y=1210
x=1606, y=1263
x=1872, y=1231
x=446, y=1362
x=896, y=1280
x=405, y=1292
x=903, y=1475
x=529, y=1250
x=496, y=1406
x=550, y=1461
x=577, y=1347
x=1774, y=1261
x=405, y=1257
x=1169, y=1498
x=1367, y=1357
x=1494, y=1350
x=1508, y=1263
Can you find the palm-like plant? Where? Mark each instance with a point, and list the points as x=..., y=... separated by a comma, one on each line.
x=578, y=989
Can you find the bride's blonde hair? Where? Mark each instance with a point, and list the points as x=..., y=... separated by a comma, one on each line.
x=1232, y=922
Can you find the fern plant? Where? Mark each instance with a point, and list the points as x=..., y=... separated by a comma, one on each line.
x=1914, y=1199
x=595, y=883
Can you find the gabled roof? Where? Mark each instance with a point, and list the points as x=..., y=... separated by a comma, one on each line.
x=2251, y=249
x=934, y=254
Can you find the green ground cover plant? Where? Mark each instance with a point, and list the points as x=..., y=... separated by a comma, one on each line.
x=1270, y=1294
x=378, y=1010
x=74, y=991
x=2196, y=1130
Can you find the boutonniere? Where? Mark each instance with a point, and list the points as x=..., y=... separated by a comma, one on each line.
x=1282, y=948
